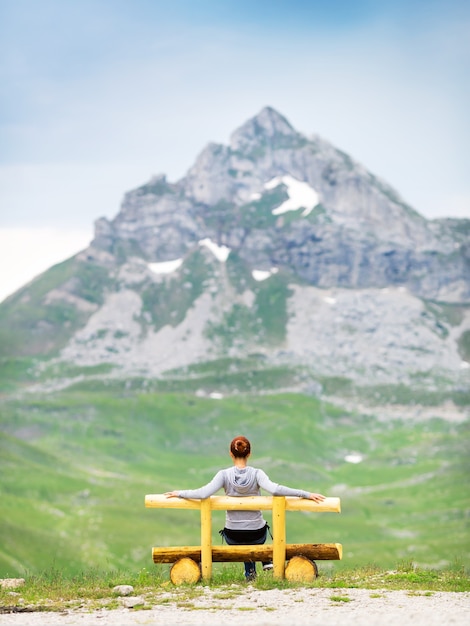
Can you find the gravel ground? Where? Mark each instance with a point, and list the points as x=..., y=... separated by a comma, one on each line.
x=312, y=607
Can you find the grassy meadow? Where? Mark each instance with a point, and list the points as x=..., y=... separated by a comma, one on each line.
x=76, y=465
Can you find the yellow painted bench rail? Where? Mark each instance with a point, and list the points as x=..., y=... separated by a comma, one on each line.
x=279, y=550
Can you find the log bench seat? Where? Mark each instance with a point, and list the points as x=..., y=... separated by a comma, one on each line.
x=192, y=562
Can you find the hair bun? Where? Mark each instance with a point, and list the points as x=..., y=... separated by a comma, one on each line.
x=240, y=447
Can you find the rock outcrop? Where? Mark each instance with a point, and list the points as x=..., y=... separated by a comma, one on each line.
x=276, y=245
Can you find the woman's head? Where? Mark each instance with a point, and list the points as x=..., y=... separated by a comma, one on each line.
x=240, y=447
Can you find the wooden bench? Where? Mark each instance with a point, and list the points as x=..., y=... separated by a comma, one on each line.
x=190, y=562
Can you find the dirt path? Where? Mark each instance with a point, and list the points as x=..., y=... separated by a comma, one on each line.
x=300, y=607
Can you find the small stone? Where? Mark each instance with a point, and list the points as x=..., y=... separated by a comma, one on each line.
x=132, y=601
x=11, y=583
x=123, y=590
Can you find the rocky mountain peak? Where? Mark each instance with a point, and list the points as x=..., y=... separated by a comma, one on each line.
x=265, y=127
x=279, y=199
x=276, y=245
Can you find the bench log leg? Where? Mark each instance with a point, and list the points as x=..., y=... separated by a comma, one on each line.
x=301, y=569
x=185, y=571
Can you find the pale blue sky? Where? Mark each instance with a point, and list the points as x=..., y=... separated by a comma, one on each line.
x=98, y=96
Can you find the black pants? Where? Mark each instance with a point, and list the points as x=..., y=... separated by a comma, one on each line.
x=249, y=538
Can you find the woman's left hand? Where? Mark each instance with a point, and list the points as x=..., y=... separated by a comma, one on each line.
x=171, y=494
x=316, y=497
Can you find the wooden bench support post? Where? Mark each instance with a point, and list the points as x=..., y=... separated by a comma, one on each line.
x=279, y=536
x=206, y=539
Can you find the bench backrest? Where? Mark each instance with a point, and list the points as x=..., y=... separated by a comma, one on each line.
x=278, y=504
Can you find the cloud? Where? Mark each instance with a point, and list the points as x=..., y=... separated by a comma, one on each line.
x=99, y=97
x=388, y=92
x=26, y=253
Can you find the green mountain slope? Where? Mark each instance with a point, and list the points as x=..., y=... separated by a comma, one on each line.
x=36, y=321
x=76, y=466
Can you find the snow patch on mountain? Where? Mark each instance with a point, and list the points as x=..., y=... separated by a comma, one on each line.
x=301, y=195
x=220, y=252
x=260, y=275
x=165, y=267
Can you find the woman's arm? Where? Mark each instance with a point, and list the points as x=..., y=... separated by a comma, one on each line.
x=280, y=490
x=202, y=492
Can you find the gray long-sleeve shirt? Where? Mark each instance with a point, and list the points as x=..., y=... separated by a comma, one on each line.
x=246, y=481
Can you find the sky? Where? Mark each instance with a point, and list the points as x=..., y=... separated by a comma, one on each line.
x=98, y=96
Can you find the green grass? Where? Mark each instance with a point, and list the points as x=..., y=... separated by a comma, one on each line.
x=16, y=372
x=417, y=395
x=76, y=466
x=52, y=590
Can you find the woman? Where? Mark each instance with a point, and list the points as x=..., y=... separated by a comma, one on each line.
x=243, y=527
